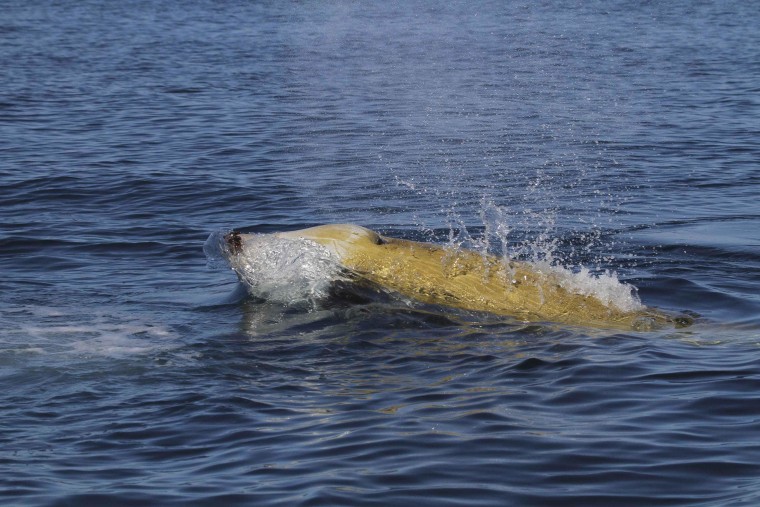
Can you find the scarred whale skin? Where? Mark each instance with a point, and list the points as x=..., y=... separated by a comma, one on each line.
x=469, y=280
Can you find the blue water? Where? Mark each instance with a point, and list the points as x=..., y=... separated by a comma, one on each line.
x=621, y=136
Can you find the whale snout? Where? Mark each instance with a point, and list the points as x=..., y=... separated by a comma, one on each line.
x=234, y=242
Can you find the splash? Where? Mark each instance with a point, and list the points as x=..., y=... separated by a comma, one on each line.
x=532, y=237
x=604, y=286
x=542, y=251
x=285, y=270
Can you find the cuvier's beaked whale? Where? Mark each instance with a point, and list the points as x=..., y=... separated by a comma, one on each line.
x=465, y=279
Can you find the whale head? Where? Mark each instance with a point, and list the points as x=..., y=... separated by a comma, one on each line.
x=339, y=239
x=296, y=266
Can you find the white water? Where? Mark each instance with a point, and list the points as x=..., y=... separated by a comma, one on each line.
x=68, y=332
x=541, y=251
x=606, y=286
x=285, y=270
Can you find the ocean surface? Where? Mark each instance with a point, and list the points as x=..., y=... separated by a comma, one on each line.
x=619, y=140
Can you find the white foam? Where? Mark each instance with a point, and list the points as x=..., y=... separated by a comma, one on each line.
x=285, y=270
x=70, y=332
x=605, y=286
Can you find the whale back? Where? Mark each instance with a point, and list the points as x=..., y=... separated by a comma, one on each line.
x=470, y=280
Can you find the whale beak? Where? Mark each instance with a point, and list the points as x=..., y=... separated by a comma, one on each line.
x=234, y=242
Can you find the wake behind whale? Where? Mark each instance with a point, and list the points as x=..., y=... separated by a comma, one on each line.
x=306, y=265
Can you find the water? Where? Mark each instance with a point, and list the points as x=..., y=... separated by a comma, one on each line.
x=604, y=136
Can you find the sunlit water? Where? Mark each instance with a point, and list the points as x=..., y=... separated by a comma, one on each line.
x=615, y=140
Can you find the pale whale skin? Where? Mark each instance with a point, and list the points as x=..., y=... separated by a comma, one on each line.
x=466, y=279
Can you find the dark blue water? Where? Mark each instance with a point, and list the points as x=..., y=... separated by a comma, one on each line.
x=618, y=136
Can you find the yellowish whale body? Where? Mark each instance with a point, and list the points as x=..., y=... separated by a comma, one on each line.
x=466, y=279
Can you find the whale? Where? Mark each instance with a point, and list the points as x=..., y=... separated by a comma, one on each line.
x=444, y=275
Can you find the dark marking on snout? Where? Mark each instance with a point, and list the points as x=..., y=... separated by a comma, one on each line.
x=234, y=242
